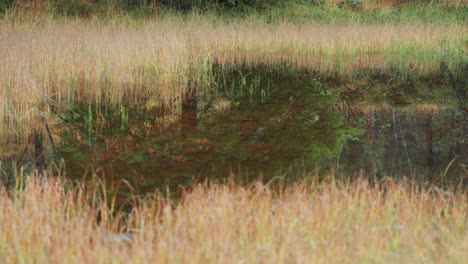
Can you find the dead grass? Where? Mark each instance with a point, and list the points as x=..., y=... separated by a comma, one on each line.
x=325, y=222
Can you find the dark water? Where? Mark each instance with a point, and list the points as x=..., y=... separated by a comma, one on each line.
x=274, y=127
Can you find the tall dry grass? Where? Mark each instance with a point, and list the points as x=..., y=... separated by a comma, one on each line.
x=326, y=222
x=152, y=63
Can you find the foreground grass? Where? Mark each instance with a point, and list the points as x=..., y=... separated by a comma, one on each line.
x=223, y=223
x=57, y=63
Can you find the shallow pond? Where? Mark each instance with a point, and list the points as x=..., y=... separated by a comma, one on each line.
x=273, y=127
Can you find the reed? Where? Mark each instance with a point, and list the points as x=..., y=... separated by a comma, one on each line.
x=48, y=221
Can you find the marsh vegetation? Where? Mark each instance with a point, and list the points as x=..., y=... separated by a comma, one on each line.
x=333, y=130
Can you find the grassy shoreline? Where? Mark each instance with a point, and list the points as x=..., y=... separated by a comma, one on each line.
x=350, y=221
x=154, y=64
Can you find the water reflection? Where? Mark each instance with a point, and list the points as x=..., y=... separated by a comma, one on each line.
x=411, y=142
x=279, y=125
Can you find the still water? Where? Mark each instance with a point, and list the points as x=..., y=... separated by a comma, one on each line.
x=273, y=127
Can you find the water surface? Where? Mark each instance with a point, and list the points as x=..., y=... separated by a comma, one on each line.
x=269, y=127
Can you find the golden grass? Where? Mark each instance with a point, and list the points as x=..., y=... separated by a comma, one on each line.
x=325, y=222
x=154, y=62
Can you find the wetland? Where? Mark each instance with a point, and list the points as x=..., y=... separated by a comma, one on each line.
x=270, y=125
